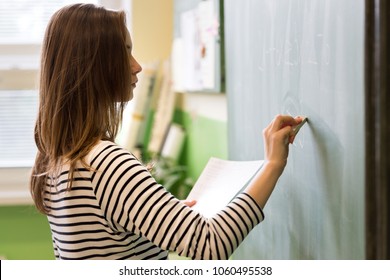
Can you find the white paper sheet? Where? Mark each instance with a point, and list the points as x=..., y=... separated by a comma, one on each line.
x=219, y=182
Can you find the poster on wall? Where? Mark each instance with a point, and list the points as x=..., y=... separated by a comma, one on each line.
x=197, y=52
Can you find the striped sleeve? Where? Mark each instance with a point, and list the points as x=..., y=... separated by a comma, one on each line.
x=133, y=202
x=56, y=254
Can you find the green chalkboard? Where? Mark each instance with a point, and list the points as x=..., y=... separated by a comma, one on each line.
x=301, y=57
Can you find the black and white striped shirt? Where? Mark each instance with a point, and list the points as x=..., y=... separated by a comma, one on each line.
x=116, y=210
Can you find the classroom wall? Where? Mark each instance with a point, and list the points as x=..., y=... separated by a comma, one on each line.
x=152, y=29
x=24, y=234
x=203, y=117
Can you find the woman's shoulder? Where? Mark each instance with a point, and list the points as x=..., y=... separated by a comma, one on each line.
x=103, y=150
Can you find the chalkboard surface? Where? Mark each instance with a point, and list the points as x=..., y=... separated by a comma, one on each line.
x=301, y=57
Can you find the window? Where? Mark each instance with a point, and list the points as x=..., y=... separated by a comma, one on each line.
x=22, y=27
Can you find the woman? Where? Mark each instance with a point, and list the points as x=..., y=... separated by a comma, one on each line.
x=101, y=202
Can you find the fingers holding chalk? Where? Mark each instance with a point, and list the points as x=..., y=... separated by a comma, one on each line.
x=295, y=129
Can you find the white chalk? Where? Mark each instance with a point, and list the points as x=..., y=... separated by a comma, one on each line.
x=298, y=127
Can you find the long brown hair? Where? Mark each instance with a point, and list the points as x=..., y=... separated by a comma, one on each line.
x=85, y=80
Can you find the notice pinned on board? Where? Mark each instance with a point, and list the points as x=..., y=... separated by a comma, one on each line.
x=197, y=62
x=220, y=181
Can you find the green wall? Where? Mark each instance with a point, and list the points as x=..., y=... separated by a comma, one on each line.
x=205, y=138
x=24, y=234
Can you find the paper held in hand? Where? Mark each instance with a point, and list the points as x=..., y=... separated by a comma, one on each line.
x=219, y=182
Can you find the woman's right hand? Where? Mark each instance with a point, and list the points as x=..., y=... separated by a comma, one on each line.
x=277, y=137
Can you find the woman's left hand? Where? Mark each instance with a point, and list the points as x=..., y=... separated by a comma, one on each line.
x=189, y=203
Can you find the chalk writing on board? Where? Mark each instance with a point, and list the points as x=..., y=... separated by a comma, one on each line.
x=291, y=53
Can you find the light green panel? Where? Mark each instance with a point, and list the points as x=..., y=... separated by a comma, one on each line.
x=205, y=138
x=24, y=234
